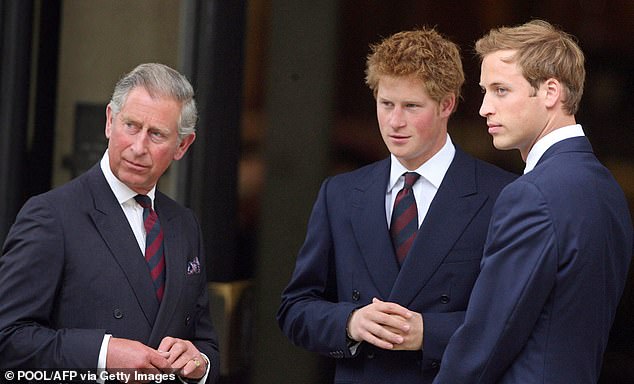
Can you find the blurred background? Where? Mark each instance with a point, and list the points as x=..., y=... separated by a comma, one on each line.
x=283, y=104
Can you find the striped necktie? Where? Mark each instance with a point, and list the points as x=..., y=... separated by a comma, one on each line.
x=154, y=255
x=404, y=223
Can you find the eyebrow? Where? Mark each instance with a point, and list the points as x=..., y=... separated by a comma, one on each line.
x=494, y=84
x=131, y=119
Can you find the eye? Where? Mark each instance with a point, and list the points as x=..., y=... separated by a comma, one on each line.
x=130, y=125
x=501, y=91
x=157, y=136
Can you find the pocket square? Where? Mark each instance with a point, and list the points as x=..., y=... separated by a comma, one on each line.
x=193, y=266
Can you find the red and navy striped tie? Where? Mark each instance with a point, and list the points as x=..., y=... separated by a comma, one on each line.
x=404, y=224
x=154, y=255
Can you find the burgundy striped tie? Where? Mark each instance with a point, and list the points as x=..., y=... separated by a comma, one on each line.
x=404, y=222
x=153, y=245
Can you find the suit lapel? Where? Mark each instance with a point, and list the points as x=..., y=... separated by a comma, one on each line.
x=115, y=230
x=369, y=225
x=175, y=267
x=453, y=207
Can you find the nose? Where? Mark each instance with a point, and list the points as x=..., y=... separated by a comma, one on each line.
x=485, y=109
x=139, y=142
x=397, y=119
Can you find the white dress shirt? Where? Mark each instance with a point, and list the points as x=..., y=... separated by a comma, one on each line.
x=125, y=196
x=431, y=174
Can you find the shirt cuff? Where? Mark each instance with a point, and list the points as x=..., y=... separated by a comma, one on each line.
x=352, y=347
x=103, y=353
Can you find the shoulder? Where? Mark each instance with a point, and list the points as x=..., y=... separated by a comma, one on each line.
x=485, y=175
x=67, y=204
x=521, y=189
x=492, y=172
x=72, y=195
x=521, y=207
x=362, y=176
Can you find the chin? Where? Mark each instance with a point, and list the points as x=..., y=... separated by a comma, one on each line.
x=501, y=145
x=134, y=183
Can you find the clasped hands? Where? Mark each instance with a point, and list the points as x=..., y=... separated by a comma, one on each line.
x=172, y=356
x=387, y=325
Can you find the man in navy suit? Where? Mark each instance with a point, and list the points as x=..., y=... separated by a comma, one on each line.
x=387, y=320
x=560, y=241
x=75, y=289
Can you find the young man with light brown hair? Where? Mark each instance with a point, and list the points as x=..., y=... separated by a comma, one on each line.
x=560, y=241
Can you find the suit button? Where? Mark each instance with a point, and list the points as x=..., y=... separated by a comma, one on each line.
x=435, y=364
x=117, y=313
x=188, y=319
x=370, y=355
x=356, y=295
x=444, y=299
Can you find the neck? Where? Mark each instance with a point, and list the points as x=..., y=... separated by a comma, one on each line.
x=554, y=123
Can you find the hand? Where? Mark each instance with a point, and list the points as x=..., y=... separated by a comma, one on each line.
x=124, y=354
x=184, y=358
x=387, y=325
x=413, y=338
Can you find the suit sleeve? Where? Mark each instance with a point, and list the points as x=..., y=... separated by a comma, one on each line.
x=309, y=314
x=31, y=271
x=438, y=329
x=518, y=272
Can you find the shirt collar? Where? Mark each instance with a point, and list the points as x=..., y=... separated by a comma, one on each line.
x=542, y=145
x=121, y=191
x=433, y=170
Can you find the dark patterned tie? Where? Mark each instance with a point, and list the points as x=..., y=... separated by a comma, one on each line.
x=153, y=245
x=404, y=222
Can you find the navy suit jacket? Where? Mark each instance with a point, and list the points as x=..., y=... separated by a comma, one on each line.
x=554, y=268
x=71, y=271
x=348, y=258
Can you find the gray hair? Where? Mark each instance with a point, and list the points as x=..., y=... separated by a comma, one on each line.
x=159, y=80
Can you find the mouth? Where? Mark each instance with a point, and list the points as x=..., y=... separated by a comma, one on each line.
x=493, y=127
x=135, y=166
x=399, y=138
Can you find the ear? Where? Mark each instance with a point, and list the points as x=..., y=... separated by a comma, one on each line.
x=554, y=92
x=109, y=117
x=447, y=105
x=184, y=145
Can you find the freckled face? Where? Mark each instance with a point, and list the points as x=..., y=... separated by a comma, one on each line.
x=413, y=126
x=515, y=112
x=143, y=139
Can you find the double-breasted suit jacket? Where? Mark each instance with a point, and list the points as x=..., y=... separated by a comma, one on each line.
x=347, y=259
x=72, y=271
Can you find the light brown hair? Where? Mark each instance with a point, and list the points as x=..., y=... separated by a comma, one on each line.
x=542, y=52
